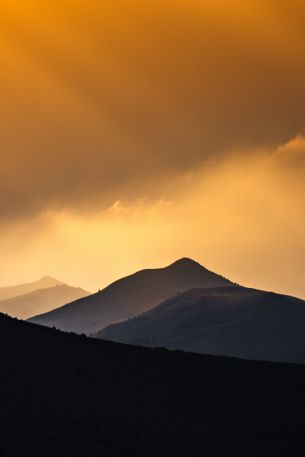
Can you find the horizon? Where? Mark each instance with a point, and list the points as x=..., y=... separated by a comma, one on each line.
x=130, y=273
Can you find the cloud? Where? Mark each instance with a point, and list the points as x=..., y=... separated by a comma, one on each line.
x=103, y=101
x=242, y=217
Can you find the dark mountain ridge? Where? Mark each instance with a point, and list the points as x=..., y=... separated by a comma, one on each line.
x=130, y=296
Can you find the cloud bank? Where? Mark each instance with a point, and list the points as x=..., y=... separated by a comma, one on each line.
x=105, y=101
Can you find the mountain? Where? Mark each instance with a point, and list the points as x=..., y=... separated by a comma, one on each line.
x=21, y=289
x=68, y=395
x=130, y=296
x=41, y=300
x=232, y=321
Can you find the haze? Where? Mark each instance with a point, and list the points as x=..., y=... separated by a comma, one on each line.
x=135, y=133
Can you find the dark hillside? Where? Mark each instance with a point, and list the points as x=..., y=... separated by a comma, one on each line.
x=66, y=395
x=229, y=321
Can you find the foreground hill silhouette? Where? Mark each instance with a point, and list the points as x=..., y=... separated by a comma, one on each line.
x=232, y=321
x=41, y=300
x=67, y=395
x=130, y=296
x=21, y=289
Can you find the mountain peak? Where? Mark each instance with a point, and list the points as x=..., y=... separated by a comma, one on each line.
x=131, y=295
x=48, y=278
x=48, y=281
x=185, y=262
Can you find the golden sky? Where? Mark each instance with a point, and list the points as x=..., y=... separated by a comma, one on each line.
x=133, y=133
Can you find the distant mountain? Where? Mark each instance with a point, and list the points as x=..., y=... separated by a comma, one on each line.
x=130, y=296
x=67, y=395
x=41, y=300
x=21, y=289
x=232, y=321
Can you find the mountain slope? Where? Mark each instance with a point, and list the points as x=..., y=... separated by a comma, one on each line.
x=233, y=321
x=130, y=296
x=42, y=300
x=21, y=289
x=68, y=395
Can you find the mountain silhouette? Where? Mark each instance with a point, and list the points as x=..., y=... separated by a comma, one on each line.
x=21, y=289
x=130, y=296
x=41, y=300
x=232, y=321
x=67, y=395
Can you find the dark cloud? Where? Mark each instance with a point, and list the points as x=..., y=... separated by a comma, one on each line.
x=108, y=100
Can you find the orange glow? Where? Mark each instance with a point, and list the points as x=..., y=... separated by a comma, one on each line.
x=134, y=133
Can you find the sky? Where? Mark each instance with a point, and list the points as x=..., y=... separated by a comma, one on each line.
x=134, y=133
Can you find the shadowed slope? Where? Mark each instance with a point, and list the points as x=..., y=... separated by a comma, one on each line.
x=67, y=395
x=41, y=300
x=233, y=321
x=129, y=296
